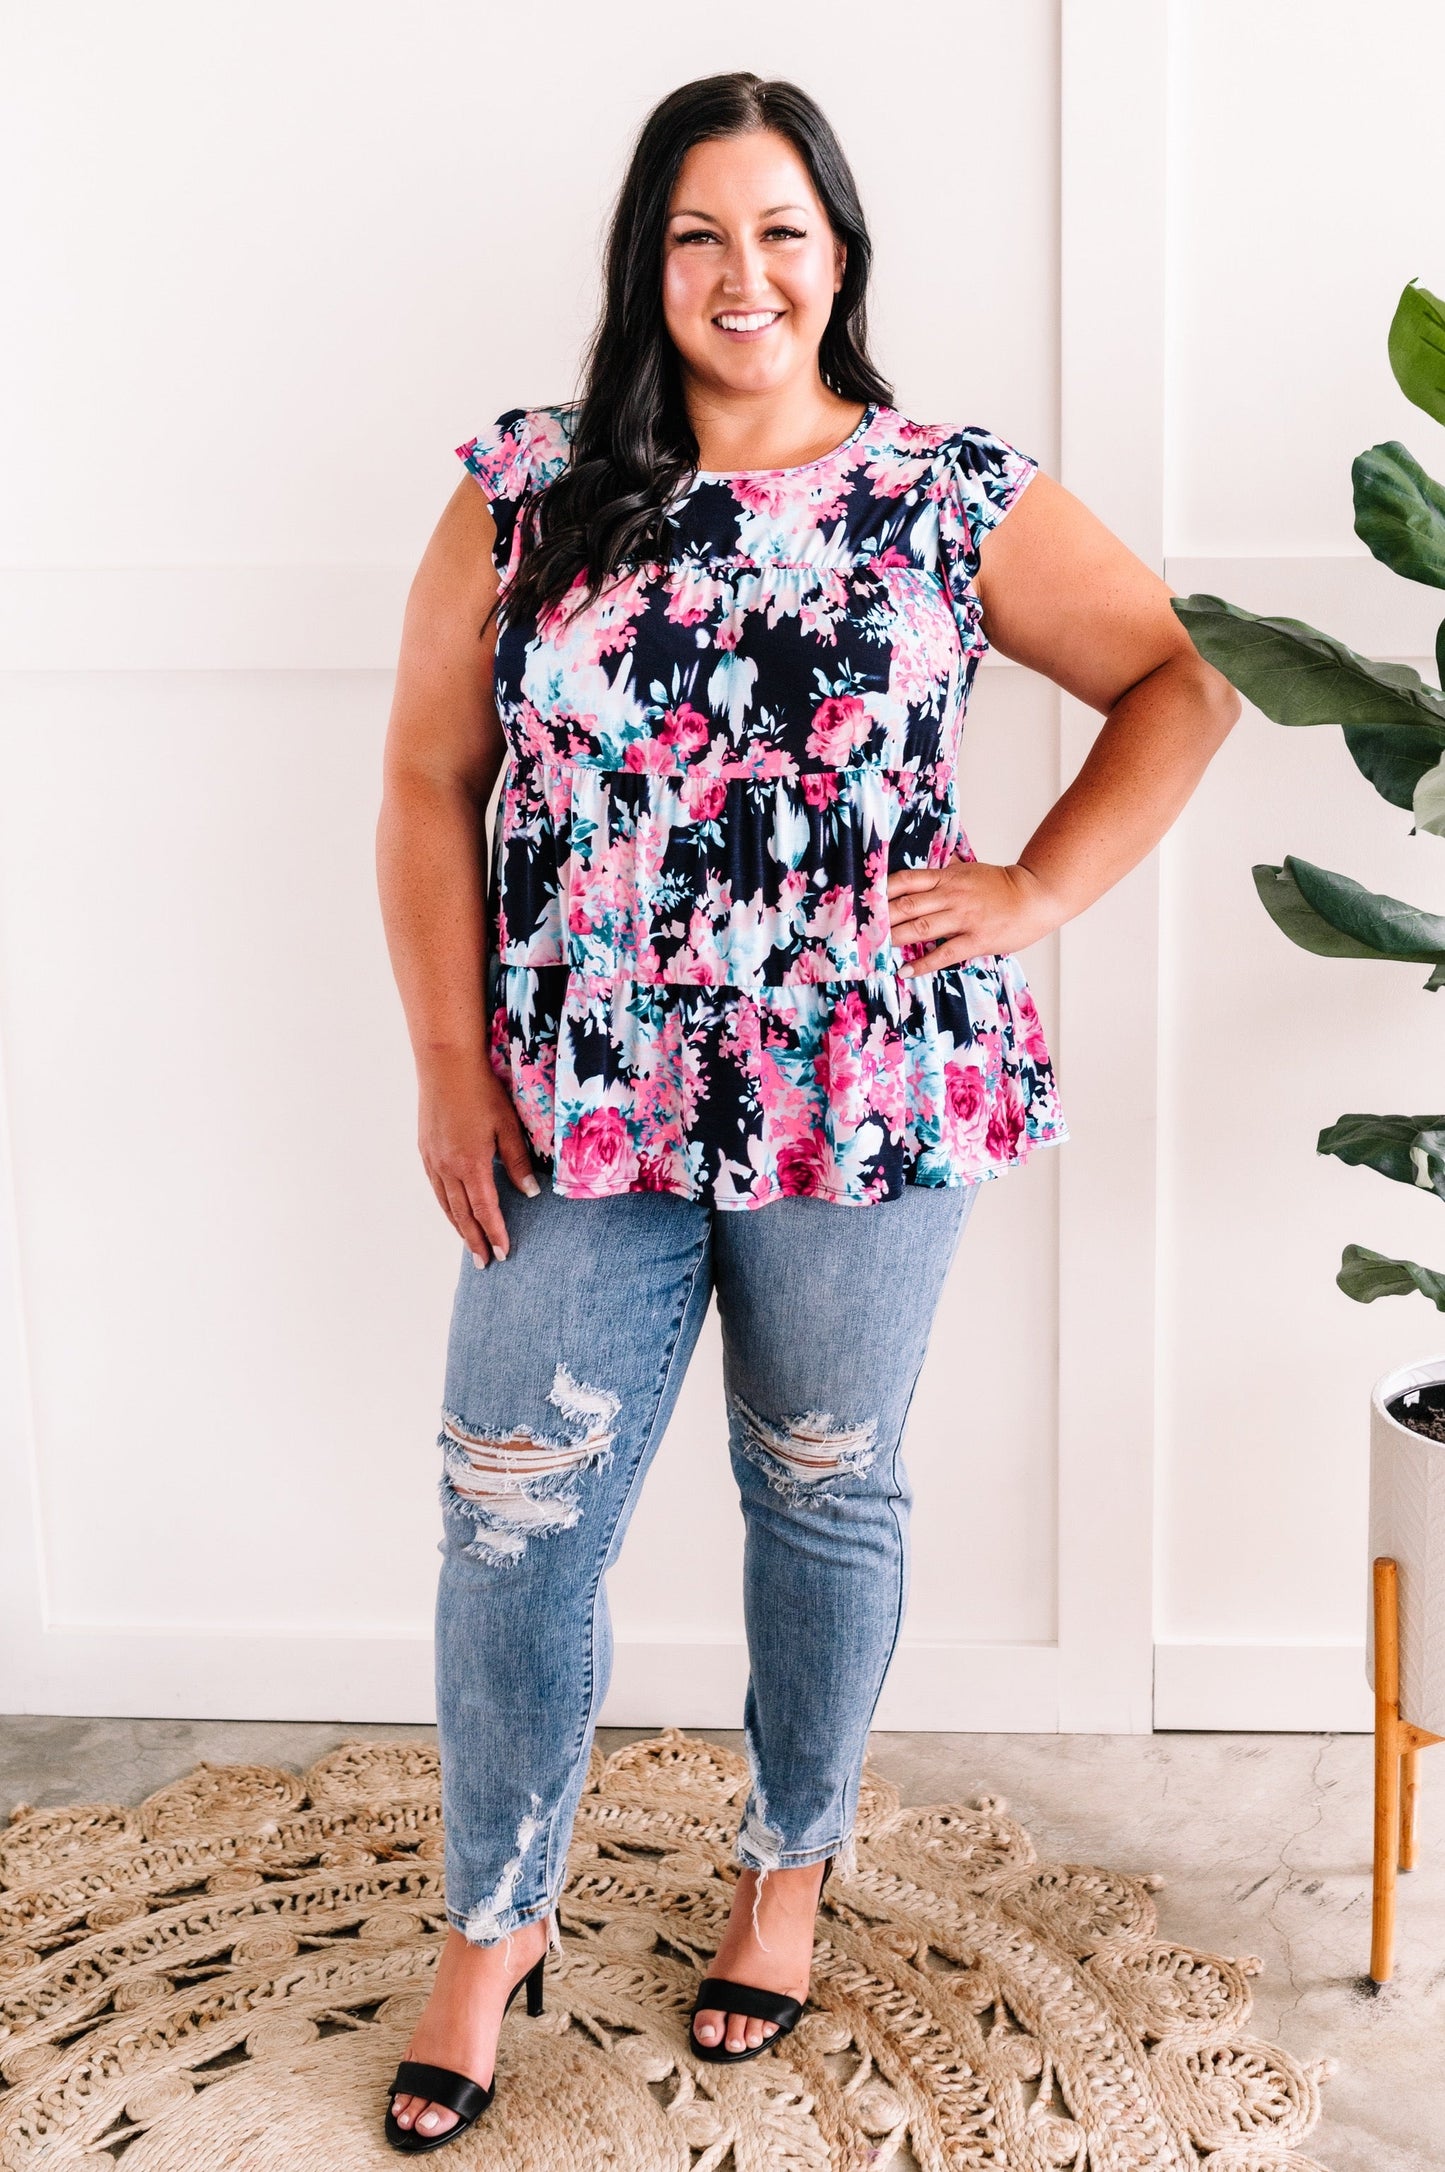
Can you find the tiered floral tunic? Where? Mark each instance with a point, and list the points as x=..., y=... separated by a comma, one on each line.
x=712, y=771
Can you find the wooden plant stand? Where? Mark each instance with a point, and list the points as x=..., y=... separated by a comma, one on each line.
x=1397, y=1771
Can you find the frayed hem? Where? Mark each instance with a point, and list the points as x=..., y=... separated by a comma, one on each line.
x=840, y=1850
x=547, y=1911
x=843, y=1857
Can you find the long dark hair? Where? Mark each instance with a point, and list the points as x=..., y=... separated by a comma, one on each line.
x=632, y=445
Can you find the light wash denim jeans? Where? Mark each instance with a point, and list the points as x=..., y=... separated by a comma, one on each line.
x=563, y=1366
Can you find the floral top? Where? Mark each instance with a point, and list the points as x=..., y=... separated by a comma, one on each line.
x=711, y=773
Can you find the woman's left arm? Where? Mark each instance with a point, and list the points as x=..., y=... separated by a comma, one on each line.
x=1061, y=593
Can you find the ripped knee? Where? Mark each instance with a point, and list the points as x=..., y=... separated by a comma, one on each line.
x=516, y=1485
x=807, y=1457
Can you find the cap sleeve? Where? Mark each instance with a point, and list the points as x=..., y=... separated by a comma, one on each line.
x=524, y=449
x=500, y=459
x=984, y=475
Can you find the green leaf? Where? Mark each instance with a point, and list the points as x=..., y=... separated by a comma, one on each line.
x=1417, y=348
x=1394, y=758
x=1366, y=1275
x=1281, y=898
x=1400, y=513
x=1428, y=801
x=1297, y=675
x=1408, y=1149
x=1334, y=917
x=1387, y=924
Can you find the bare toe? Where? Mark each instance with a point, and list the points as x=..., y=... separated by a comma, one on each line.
x=436, y=2119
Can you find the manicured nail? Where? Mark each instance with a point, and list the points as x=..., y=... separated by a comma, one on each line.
x=477, y=1260
x=530, y=1186
x=427, y=2120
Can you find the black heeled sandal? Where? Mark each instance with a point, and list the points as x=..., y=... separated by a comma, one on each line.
x=720, y=1995
x=454, y=2092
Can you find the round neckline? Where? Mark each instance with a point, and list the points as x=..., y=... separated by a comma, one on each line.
x=745, y=475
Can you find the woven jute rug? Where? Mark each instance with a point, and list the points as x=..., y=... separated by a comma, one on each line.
x=226, y=1977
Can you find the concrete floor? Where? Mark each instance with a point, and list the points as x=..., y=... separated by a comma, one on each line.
x=1263, y=1842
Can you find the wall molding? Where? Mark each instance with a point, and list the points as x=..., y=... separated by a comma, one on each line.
x=174, y=1672
x=348, y=618
x=1113, y=79
x=1356, y=599
x=201, y=618
x=1268, y=1688
x=22, y=1586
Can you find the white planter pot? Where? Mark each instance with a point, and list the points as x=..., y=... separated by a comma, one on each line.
x=1407, y=1521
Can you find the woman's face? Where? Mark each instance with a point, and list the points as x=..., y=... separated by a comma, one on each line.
x=750, y=264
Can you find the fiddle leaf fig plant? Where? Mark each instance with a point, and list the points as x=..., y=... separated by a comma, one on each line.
x=1393, y=723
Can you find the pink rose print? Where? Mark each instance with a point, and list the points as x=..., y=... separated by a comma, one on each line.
x=839, y=722
x=704, y=795
x=684, y=728
x=820, y=787
x=1005, y=1127
x=1031, y=1039
x=965, y=1092
x=648, y=754
x=598, y=1149
x=803, y=1167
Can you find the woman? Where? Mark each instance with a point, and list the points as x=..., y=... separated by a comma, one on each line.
x=736, y=976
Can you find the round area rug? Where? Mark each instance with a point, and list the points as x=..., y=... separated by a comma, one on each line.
x=223, y=1979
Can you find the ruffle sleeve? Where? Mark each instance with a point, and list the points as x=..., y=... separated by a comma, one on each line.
x=985, y=475
x=524, y=449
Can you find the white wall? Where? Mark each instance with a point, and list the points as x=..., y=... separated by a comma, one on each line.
x=1299, y=206
x=274, y=266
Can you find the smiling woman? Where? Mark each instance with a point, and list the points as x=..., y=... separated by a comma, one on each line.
x=748, y=287
x=738, y=1009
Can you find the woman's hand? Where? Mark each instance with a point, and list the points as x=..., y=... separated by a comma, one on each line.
x=466, y=1117
x=968, y=909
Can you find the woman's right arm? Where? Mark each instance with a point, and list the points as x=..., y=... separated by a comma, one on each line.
x=444, y=752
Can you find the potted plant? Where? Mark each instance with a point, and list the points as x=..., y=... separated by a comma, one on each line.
x=1394, y=727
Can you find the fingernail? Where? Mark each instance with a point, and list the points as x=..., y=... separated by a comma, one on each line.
x=530, y=1186
x=501, y=1252
x=477, y=1260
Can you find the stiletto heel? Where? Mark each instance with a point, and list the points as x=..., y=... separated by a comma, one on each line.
x=718, y=1994
x=454, y=2092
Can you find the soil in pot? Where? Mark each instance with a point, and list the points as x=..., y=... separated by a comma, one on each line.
x=1421, y=1409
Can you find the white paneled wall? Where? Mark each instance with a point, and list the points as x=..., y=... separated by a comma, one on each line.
x=275, y=266
x=1287, y=253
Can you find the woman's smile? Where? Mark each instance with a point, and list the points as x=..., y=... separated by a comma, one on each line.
x=746, y=324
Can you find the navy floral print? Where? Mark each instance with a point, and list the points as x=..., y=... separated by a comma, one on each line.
x=712, y=771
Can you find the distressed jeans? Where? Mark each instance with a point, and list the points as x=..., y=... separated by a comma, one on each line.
x=564, y=1363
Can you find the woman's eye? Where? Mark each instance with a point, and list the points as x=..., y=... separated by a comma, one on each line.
x=788, y=233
